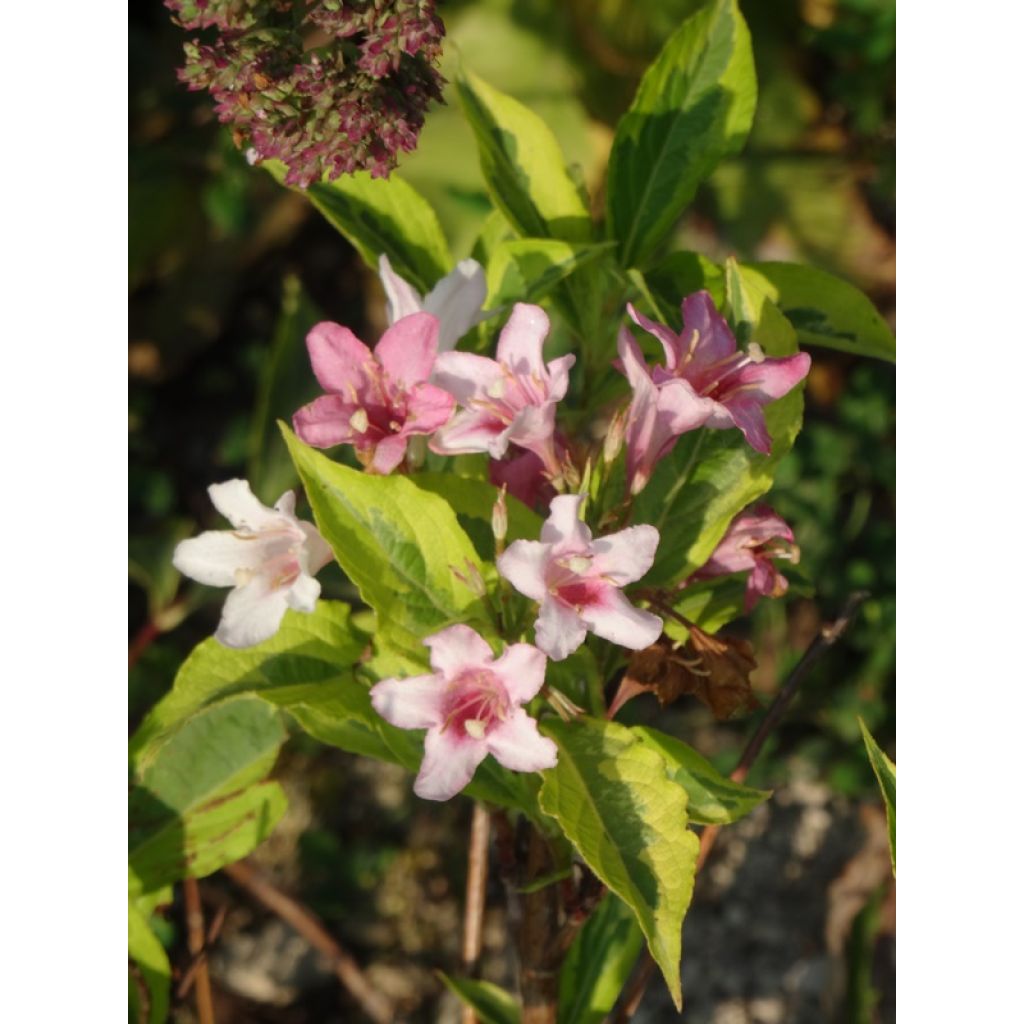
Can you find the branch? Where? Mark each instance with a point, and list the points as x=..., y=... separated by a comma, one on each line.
x=309, y=926
x=827, y=637
x=476, y=891
x=196, y=942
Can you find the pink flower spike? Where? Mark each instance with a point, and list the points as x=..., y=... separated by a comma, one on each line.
x=576, y=580
x=456, y=300
x=470, y=707
x=753, y=539
x=270, y=558
x=376, y=400
x=508, y=400
x=732, y=386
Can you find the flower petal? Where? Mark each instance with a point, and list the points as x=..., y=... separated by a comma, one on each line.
x=456, y=300
x=303, y=594
x=341, y=362
x=387, y=454
x=521, y=669
x=408, y=348
x=559, y=630
x=235, y=501
x=449, y=762
x=325, y=421
x=471, y=431
x=428, y=409
x=523, y=564
x=413, y=703
x=558, y=369
x=518, y=745
x=214, y=556
x=769, y=379
x=465, y=375
x=402, y=298
x=563, y=526
x=457, y=648
x=615, y=619
x=251, y=614
x=716, y=340
x=669, y=339
x=749, y=417
x=522, y=340
x=286, y=504
x=625, y=556
x=317, y=552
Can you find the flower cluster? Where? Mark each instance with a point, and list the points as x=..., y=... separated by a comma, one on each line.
x=415, y=383
x=326, y=87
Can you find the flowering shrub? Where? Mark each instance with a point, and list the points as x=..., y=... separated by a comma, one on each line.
x=542, y=531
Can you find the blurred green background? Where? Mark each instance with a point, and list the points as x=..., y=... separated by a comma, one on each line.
x=227, y=271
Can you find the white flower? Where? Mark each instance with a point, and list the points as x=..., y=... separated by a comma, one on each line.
x=456, y=300
x=270, y=558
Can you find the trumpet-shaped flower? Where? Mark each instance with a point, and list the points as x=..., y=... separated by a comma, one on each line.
x=706, y=381
x=376, y=400
x=471, y=706
x=508, y=400
x=577, y=581
x=456, y=300
x=270, y=558
x=754, y=538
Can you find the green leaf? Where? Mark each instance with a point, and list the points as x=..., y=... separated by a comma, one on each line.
x=151, y=994
x=522, y=164
x=598, y=964
x=712, y=475
x=199, y=802
x=310, y=654
x=713, y=798
x=399, y=544
x=694, y=105
x=885, y=772
x=825, y=310
x=679, y=275
x=493, y=1005
x=382, y=215
x=529, y=269
x=613, y=799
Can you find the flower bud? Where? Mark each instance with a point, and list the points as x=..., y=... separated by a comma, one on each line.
x=499, y=517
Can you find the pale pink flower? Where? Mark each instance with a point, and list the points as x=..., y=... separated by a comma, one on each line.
x=576, y=579
x=706, y=381
x=754, y=538
x=508, y=400
x=471, y=706
x=270, y=558
x=456, y=300
x=376, y=400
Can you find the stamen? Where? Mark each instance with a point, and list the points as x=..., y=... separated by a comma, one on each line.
x=359, y=421
x=243, y=576
x=755, y=352
x=578, y=564
x=475, y=727
x=496, y=389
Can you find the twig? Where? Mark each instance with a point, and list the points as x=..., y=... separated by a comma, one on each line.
x=142, y=639
x=476, y=891
x=196, y=941
x=185, y=985
x=826, y=638
x=309, y=926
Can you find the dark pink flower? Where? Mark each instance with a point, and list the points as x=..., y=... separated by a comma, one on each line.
x=510, y=400
x=723, y=387
x=471, y=706
x=755, y=537
x=577, y=581
x=376, y=400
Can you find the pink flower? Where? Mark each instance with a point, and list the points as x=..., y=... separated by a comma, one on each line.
x=576, y=579
x=705, y=381
x=270, y=558
x=456, y=300
x=470, y=707
x=753, y=539
x=376, y=400
x=510, y=400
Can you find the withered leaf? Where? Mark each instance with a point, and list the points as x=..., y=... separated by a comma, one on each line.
x=714, y=669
